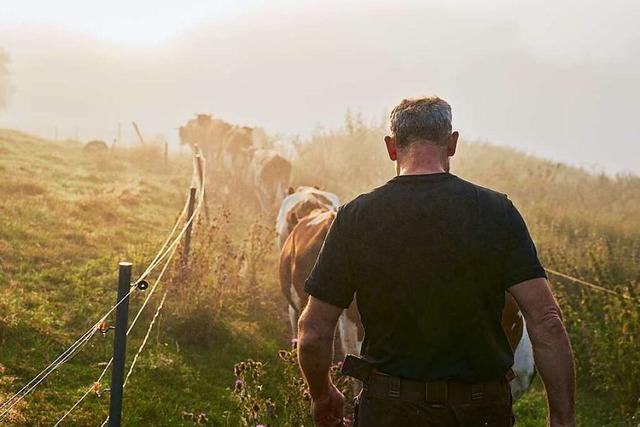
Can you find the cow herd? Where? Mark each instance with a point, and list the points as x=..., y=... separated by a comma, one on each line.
x=240, y=152
x=304, y=217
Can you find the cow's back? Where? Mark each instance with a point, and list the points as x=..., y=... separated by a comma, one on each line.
x=299, y=254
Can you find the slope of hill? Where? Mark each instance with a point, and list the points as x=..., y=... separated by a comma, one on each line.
x=67, y=216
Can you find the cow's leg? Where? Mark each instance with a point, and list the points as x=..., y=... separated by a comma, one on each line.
x=262, y=198
x=523, y=365
x=293, y=319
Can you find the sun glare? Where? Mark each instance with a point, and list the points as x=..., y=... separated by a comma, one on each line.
x=119, y=21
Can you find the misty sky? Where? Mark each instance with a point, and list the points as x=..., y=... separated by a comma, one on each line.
x=558, y=79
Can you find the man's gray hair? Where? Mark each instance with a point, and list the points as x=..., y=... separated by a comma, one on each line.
x=421, y=119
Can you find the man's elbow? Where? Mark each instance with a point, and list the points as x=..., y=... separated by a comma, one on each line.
x=547, y=328
x=309, y=337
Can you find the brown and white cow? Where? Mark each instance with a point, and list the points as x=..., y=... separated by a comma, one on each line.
x=270, y=173
x=236, y=149
x=515, y=328
x=298, y=204
x=226, y=147
x=297, y=258
x=208, y=133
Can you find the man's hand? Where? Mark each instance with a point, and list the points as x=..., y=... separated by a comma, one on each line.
x=327, y=408
x=315, y=350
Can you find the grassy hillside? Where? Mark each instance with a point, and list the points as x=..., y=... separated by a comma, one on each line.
x=68, y=216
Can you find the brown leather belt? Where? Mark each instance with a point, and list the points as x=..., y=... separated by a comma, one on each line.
x=385, y=386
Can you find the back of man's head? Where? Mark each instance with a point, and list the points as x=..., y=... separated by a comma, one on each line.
x=425, y=119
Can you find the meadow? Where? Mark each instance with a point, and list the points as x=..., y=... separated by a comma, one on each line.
x=68, y=216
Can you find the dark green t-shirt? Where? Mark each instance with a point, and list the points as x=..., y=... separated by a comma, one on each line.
x=428, y=258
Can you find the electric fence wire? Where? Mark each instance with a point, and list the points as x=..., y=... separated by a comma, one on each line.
x=157, y=313
x=66, y=355
x=142, y=345
x=133, y=323
x=591, y=285
x=31, y=385
x=173, y=247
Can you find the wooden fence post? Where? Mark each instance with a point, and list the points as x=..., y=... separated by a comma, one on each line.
x=201, y=178
x=166, y=153
x=187, y=236
x=119, y=344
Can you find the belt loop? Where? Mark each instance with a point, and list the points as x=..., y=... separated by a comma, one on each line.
x=477, y=391
x=395, y=387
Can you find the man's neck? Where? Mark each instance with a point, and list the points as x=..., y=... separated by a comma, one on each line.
x=420, y=170
x=422, y=160
x=421, y=167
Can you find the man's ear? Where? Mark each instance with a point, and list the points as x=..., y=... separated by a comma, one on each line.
x=392, y=150
x=453, y=143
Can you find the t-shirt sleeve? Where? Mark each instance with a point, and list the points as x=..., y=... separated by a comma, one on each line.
x=522, y=261
x=331, y=280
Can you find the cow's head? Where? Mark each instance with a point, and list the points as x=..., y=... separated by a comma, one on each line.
x=301, y=210
x=203, y=119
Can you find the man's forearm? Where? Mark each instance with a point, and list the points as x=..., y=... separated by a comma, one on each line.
x=315, y=351
x=554, y=361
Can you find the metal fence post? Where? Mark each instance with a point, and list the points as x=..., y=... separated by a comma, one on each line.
x=187, y=236
x=119, y=344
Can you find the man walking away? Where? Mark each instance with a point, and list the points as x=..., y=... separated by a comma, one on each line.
x=429, y=257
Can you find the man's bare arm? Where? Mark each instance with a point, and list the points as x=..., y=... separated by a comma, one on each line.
x=316, y=329
x=551, y=348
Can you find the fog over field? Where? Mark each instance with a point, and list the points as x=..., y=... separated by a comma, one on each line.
x=557, y=80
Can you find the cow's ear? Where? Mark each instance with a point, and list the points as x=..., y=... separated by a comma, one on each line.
x=290, y=191
x=292, y=218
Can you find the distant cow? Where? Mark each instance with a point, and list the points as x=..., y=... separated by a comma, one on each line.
x=300, y=203
x=208, y=133
x=223, y=144
x=297, y=257
x=236, y=149
x=271, y=174
x=96, y=145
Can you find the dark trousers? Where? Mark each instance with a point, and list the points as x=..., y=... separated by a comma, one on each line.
x=391, y=412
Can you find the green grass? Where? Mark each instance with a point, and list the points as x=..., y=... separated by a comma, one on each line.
x=67, y=217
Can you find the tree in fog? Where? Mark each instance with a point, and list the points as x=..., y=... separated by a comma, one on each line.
x=4, y=79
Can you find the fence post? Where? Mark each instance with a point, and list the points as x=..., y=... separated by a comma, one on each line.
x=187, y=235
x=166, y=152
x=200, y=170
x=119, y=344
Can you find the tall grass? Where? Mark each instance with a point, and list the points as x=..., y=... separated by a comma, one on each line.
x=584, y=224
x=67, y=217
